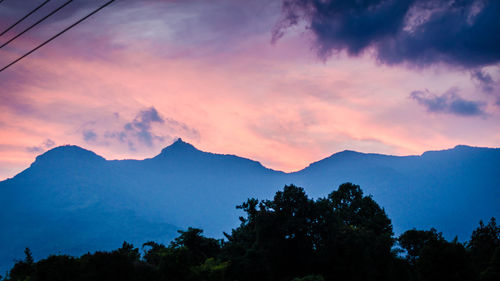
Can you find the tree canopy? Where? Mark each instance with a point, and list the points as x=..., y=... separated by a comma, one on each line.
x=291, y=237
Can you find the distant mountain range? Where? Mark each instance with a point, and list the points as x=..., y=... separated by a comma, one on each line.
x=70, y=200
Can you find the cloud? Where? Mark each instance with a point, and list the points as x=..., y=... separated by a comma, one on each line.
x=417, y=32
x=486, y=83
x=147, y=129
x=449, y=102
x=89, y=135
x=135, y=24
x=11, y=10
x=141, y=126
x=47, y=144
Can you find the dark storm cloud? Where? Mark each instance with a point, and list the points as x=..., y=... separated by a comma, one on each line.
x=417, y=32
x=449, y=102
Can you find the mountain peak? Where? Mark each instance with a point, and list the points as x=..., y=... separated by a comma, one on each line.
x=347, y=152
x=179, y=146
x=68, y=152
x=462, y=146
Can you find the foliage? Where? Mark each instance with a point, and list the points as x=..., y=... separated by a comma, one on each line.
x=310, y=278
x=485, y=240
x=344, y=236
x=414, y=241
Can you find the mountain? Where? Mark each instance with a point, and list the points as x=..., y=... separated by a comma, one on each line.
x=450, y=190
x=70, y=200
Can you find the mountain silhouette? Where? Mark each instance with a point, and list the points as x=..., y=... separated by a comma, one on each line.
x=70, y=200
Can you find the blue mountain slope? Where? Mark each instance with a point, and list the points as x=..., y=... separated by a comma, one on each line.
x=450, y=189
x=71, y=200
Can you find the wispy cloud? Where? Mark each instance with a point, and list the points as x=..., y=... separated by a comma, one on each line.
x=450, y=102
x=141, y=126
x=487, y=84
x=47, y=144
x=89, y=135
x=484, y=79
x=147, y=129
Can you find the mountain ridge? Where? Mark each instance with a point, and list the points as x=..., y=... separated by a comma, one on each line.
x=180, y=146
x=70, y=191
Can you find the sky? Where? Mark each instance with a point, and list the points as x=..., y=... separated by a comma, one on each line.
x=284, y=82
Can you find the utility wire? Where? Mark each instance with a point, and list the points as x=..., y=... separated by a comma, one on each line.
x=58, y=34
x=36, y=23
x=23, y=18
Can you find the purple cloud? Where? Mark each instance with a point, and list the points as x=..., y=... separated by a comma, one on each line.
x=449, y=102
x=89, y=135
x=417, y=32
x=140, y=130
x=141, y=126
x=47, y=144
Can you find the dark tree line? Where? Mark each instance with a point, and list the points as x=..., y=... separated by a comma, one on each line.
x=344, y=236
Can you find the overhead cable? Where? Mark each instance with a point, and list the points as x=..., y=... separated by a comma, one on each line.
x=58, y=34
x=23, y=18
x=36, y=23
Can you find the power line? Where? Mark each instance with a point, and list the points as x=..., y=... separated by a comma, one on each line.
x=23, y=18
x=36, y=23
x=57, y=35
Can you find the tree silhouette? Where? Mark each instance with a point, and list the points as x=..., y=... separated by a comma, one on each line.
x=344, y=236
x=442, y=260
x=492, y=272
x=414, y=241
x=23, y=269
x=483, y=247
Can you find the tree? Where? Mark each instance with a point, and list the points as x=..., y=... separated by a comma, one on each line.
x=413, y=242
x=442, y=260
x=492, y=272
x=127, y=250
x=344, y=236
x=154, y=254
x=191, y=256
x=310, y=278
x=356, y=238
x=123, y=264
x=22, y=270
x=274, y=241
x=57, y=268
x=483, y=243
x=211, y=270
x=28, y=256
x=199, y=247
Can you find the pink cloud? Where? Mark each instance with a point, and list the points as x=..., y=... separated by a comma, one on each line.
x=273, y=103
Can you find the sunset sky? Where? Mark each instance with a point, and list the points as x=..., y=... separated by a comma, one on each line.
x=283, y=85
